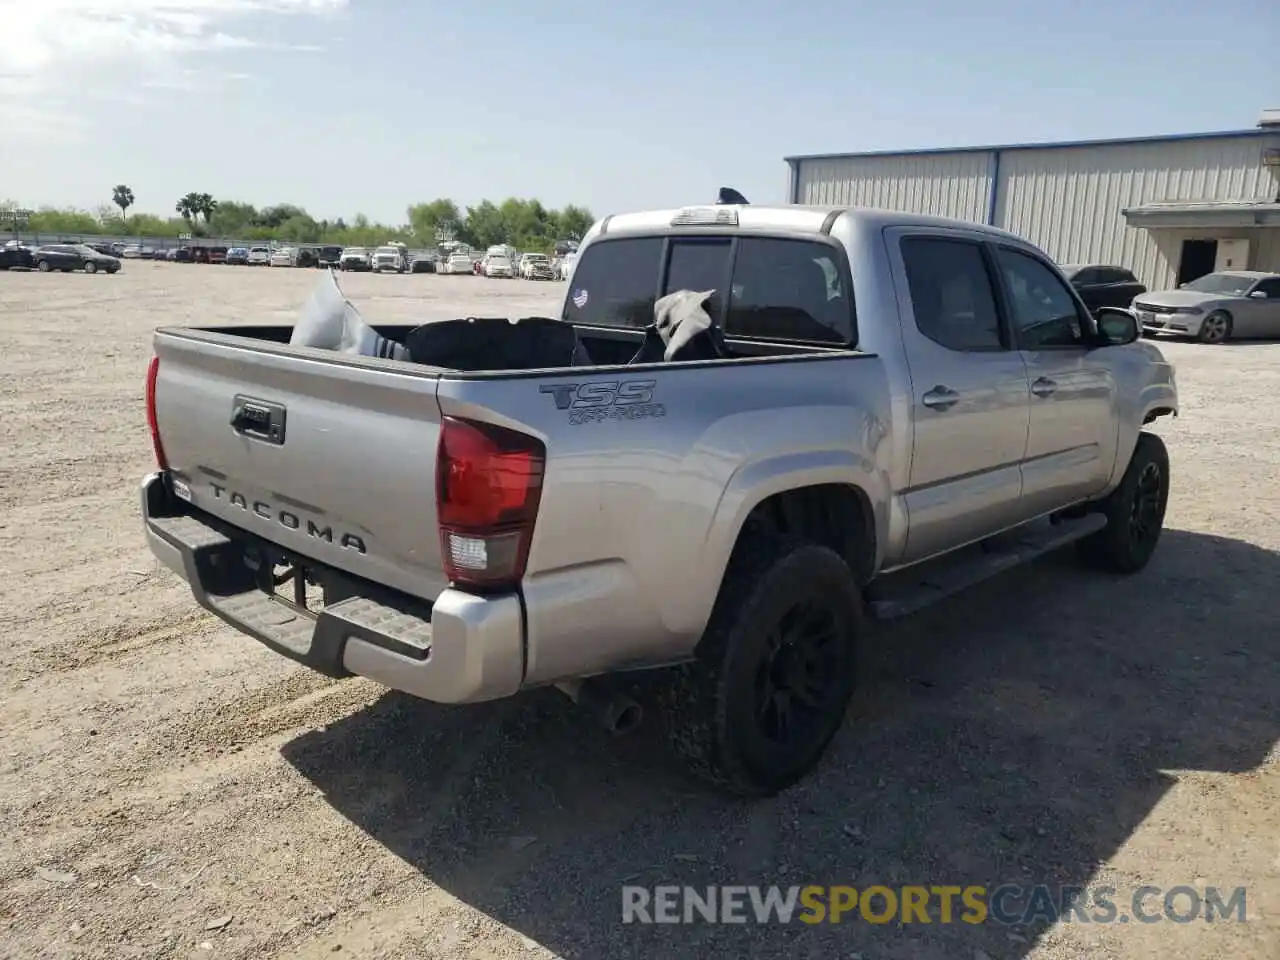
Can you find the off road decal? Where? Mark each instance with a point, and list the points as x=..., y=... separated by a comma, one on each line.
x=605, y=400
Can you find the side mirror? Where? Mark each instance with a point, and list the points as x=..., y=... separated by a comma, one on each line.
x=1258, y=295
x=1117, y=327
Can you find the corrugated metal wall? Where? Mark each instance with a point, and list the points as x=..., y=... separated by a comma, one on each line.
x=938, y=184
x=1069, y=200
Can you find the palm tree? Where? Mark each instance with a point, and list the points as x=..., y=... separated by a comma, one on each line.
x=122, y=197
x=188, y=206
x=206, y=205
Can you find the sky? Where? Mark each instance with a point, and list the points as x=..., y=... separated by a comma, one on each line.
x=366, y=106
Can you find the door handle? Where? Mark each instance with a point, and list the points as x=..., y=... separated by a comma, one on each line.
x=1043, y=387
x=940, y=398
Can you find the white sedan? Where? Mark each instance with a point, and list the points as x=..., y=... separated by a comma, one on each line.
x=496, y=265
x=259, y=256
x=459, y=263
x=284, y=257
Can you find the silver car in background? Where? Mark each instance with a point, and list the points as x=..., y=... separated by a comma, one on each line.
x=1215, y=307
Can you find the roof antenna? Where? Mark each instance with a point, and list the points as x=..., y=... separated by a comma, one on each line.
x=730, y=195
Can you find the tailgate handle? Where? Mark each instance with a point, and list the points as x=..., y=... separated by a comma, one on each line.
x=258, y=419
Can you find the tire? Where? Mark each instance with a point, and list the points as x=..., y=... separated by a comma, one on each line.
x=90, y=267
x=1134, y=511
x=42, y=266
x=718, y=708
x=1215, y=328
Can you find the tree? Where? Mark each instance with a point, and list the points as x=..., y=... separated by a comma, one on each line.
x=122, y=197
x=434, y=221
x=188, y=207
x=524, y=223
x=574, y=222
x=205, y=205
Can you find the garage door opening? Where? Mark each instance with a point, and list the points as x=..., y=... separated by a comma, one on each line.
x=1198, y=258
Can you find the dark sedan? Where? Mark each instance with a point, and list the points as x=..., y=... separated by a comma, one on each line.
x=16, y=255
x=73, y=256
x=106, y=249
x=1103, y=286
x=329, y=257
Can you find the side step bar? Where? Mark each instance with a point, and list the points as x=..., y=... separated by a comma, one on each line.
x=911, y=590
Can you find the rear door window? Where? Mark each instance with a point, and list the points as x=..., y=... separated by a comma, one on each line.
x=615, y=282
x=789, y=290
x=951, y=293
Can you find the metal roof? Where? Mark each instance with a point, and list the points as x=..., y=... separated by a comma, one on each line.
x=1204, y=213
x=1051, y=145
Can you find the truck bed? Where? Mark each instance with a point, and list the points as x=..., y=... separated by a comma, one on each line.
x=640, y=462
x=608, y=346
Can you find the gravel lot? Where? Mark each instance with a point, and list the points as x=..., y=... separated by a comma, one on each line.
x=169, y=788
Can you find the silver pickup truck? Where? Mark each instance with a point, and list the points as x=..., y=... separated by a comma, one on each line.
x=901, y=406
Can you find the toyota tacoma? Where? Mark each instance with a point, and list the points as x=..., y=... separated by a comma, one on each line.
x=897, y=407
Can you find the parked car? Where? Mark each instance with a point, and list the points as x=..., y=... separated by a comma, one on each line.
x=497, y=265
x=131, y=252
x=73, y=256
x=1103, y=286
x=536, y=266
x=182, y=255
x=357, y=259
x=329, y=257
x=259, y=256
x=1215, y=308
x=306, y=257
x=204, y=254
x=566, y=265
x=105, y=248
x=926, y=410
x=238, y=256
x=284, y=257
x=458, y=263
x=388, y=260
x=423, y=263
x=15, y=255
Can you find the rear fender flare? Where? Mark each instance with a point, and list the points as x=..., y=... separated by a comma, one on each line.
x=754, y=483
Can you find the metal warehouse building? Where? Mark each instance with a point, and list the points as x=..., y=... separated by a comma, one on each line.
x=1170, y=208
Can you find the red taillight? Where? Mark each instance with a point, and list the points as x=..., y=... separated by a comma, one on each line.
x=153, y=371
x=488, y=483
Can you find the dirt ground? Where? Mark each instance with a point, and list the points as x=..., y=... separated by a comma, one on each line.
x=169, y=788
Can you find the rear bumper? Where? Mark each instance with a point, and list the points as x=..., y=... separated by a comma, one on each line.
x=461, y=649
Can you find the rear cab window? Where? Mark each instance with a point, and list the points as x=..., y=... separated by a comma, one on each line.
x=761, y=287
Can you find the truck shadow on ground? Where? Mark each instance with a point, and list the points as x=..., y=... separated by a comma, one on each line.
x=1017, y=733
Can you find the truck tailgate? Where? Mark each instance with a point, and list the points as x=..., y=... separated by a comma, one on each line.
x=329, y=457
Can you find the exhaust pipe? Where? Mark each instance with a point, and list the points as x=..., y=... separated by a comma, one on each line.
x=615, y=711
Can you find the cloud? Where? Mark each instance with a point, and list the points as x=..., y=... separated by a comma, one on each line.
x=48, y=46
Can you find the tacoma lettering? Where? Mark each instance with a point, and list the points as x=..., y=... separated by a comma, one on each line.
x=288, y=519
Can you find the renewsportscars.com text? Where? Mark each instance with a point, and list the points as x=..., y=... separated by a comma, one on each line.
x=1007, y=904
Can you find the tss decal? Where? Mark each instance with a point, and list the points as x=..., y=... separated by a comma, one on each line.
x=601, y=400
